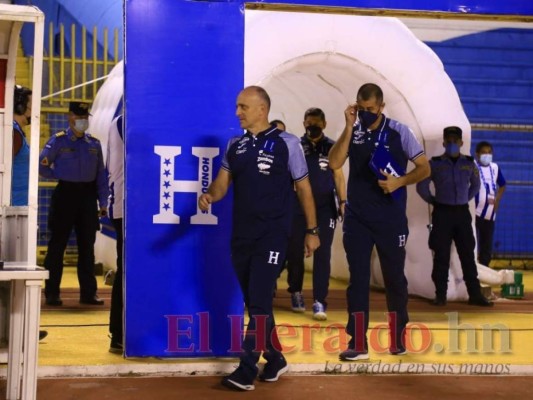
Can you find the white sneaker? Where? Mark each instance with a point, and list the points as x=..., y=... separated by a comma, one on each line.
x=319, y=311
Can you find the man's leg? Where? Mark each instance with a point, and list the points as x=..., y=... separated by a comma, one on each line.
x=116, y=312
x=295, y=255
x=60, y=222
x=322, y=256
x=465, y=243
x=391, y=239
x=440, y=241
x=86, y=226
x=485, y=237
x=358, y=244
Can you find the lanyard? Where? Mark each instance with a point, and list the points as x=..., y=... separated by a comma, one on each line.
x=492, y=182
x=382, y=138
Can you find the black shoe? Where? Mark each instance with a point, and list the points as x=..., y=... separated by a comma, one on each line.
x=54, y=301
x=116, y=347
x=398, y=351
x=95, y=301
x=352, y=355
x=42, y=334
x=480, y=301
x=238, y=380
x=274, y=369
x=438, y=302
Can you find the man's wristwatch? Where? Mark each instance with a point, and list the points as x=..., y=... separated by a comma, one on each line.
x=313, y=231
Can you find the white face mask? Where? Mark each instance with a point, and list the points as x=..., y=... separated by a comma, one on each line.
x=485, y=159
x=81, y=125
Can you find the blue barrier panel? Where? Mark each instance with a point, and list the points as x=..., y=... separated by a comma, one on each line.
x=183, y=71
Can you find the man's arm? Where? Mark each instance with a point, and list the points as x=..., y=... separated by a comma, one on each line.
x=305, y=195
x=340, y=188
x=46, y=159
x=422, y=188
x=475, y=183
x=216, y=191
x=17, y=142
x=421, y=171
x=339, y=152
x=499, y=195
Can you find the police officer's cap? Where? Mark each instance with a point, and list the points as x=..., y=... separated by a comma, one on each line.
x=79, y=108
x=453, y=130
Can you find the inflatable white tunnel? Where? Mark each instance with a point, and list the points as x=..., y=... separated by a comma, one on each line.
x=315, y=60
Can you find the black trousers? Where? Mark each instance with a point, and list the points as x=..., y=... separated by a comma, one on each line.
x=117, y=304
x=257, y=263
x=389, y=236
x=485, y=237
x=453, y=223
x=321, y=257
x=73, y=205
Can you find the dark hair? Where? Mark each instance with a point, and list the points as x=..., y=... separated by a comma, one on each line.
x=20, y=99
x=452, y=130
x=369, y=90
x=277, y=121
x=262, y=93
x=315, y=112
x=482, y=144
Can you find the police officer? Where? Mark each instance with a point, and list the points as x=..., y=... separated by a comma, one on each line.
x=456, y=180
x=376, y=212
x=265, y=165
x=21, y=149
x=74, y=157
x=328, y=190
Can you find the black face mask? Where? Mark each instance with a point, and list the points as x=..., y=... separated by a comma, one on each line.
x=367, y=119
x=314, y=131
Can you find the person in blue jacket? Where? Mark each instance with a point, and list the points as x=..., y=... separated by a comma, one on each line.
x=75, y=159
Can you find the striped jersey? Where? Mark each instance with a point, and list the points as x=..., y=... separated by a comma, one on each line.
x=491, y=178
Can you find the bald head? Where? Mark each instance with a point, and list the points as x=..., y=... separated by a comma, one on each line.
x=253, y=106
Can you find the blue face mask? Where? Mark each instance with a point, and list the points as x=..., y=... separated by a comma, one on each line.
x=485, y=159
x=367, y=119
x=452, y=149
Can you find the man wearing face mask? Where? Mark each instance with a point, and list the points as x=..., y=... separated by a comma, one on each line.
x=487, y=200
x=74, y=158
x=328, y=191
x=376, y=212
x=456, y=180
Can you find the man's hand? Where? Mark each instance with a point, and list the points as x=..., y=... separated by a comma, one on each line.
x=340, y=211
x=312, y=242
x=390, y=184
x=350, y=114
x=204, y=201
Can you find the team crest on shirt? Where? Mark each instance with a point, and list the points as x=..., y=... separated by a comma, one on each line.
x=264, y=162
x=323, y=162
x=241, y=147
x=358, y=137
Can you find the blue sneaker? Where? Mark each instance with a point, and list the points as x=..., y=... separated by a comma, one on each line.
x=238, y=380
x=352, y=355
x=297, y=302
x=319, y=311
x=274, y=369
